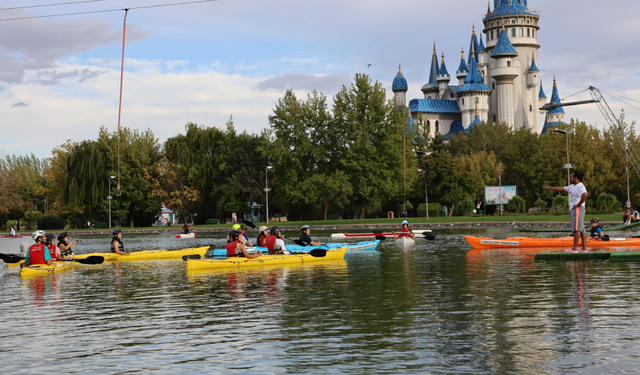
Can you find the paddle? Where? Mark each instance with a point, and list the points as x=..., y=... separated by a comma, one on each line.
x=249, y=224
x=94, y=259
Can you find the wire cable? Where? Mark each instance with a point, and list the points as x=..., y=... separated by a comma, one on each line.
x=52, y=5
x=106, y=10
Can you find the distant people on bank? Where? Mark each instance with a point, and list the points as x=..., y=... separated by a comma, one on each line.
x=66, y=246
x=263, y=232
x=305, y=237
x=631, y=216
x=116, y=243
x=275, y=242
x=596, y=230
x=186, y=228
x=405, y=231
x=577, y=196
x=38, y=253
x=236, y=248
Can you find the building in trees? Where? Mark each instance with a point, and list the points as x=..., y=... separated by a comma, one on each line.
x=496, y=83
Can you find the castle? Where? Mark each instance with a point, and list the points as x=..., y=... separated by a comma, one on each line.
x=496, y=83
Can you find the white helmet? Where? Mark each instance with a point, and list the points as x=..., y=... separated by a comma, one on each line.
x=36, y=234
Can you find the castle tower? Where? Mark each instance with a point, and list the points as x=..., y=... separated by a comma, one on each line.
x=521, y=26
x=554, y=116
x=504, y=72
x=542, y=98
x=430, y=89
x=463, y=71
x=473, y=92
x=443, y=79
x=399, y=88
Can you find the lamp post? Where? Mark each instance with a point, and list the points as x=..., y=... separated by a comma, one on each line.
x=109, y=198
x=44, y=197
x=568, y=165
x=426, y=194
x=266, y=188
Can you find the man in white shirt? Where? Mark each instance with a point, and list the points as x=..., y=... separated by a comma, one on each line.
x=577, y=197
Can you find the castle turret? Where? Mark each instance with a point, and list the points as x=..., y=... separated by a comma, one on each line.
x=463, y=71
x=443, y=79
x=542, y=98
x=554, y=116
x=532, y=74
x=504, y=72
x=473, y=88
x=430, y=89
x=399, y=88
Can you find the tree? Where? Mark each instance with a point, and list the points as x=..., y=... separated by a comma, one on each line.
x=174, y=188
x=329, y=190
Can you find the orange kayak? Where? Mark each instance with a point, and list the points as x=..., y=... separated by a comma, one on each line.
x=511, y=242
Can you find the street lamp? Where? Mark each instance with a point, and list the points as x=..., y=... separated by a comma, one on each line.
x=266, y=188
x=109, y=198
x=44, y=197
x=426, y=195
x=568, y=165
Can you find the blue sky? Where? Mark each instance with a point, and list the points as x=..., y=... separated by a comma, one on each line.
x=59, y=77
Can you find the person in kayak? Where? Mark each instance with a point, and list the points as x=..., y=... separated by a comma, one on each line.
x=242, y=229
x=236, y=248
x=577, y=196
x=405, y=231
x=38, y=253
x=306, y=239
x=66, y=247
x=186, y=228
x=50, y=243
x=596, y=230
x=262, y=236
x=116, y=243
x=275, y=242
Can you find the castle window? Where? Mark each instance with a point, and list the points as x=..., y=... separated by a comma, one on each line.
x=428, y=127
x=462, y=101
x=528, y=32
x=508, y=63
x=437, y=127
x=493, y=85
x=513, y=21
x=530, y=108
x=528, y=21
x=521, y=31
x=513, y=32
x=491, y=34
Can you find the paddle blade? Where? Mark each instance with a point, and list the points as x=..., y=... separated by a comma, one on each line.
x=427, y=233
x=93, y=259
x=430, y=237
x=11, y=258
x=381, y=238
x=249, y=224
x=318, y=253
x=192, y=256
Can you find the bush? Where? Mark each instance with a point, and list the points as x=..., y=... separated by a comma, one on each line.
x=466, y=206
x=51, y=222
x=516, y=204
x=31, y=218
x=560, y=202
x=608, y=203
x=433, y=210
x=540, y=203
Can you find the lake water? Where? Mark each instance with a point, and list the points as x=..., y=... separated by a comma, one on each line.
x=435, y=308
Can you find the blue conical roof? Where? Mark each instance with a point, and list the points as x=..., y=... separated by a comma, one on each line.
x=481, y=45
x=463, y=65
x=541, y=95
x=502, y=7
x=474, y=81
x=399, y=83
x=473, y=45
x=555, y=99
x=433, y=74
x=504, y=48
x=443, y=68
x=533, y=67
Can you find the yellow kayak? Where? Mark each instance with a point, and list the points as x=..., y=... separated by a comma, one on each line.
x=44, y=269
x=265, y=260
x=148, y=254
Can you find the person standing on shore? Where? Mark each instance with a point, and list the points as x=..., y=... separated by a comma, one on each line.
x=577, y=197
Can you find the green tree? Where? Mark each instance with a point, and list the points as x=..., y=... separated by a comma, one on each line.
x=332, y=190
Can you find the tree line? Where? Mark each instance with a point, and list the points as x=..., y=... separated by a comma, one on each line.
x=358, y=157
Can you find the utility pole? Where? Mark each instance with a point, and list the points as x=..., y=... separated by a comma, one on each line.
x=500, y=184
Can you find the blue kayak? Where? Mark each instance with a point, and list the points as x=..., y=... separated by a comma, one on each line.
x=365, y=245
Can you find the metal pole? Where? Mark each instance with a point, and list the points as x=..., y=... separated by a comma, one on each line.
x=628, y=194
x=500, y=184
x=266, y=190
x=109, y=199
x=568, y=170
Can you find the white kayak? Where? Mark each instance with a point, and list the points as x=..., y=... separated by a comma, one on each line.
x=190, y=235
x=405, y=241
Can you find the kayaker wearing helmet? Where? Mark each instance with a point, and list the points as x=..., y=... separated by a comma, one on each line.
x=116, y=243
x=243, y=237
x=50, y=243
x=262, y=236
x=66, y=249
x=405, y=231
x=38, y=253
x=236, y=248
x=596, y=230
x=275, y=242
x=306, y=239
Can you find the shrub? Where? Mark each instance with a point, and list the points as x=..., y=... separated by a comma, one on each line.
x=31, y=218
x=516, y=204
x=50, y=222
x=540, y=203
x=608, y=203
x=466, y=206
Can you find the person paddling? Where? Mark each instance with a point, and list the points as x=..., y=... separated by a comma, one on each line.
x=38, y=253
x=596, y=230
x=306, y=239
x=577, y=196
x=275, y=242
x=50, y=243
x=262, y=236
x=66, y=247
x=405, y=231
x=116, y=243
x=186, y=228
x=236, y=247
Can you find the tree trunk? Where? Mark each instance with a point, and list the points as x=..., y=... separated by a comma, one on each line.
x=131, y=221
x=453, y=205
x=326, y=208
x=362, y=212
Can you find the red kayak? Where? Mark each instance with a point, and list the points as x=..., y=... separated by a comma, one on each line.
x=381, y=234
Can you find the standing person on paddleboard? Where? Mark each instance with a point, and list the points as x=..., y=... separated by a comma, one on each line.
x=405, y=231
x=116, y=243
x=306, y=239
x=577, y=197
x=38, y=253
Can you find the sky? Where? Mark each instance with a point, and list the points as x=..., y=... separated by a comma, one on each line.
x=202, y=63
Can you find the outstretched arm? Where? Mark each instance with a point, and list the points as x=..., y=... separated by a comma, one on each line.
x=554, y=188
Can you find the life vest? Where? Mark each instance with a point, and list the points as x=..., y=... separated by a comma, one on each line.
x=593, y=231
x=52, y=252
x=261, y=240
x=405, y=232
x=232, y=249
x=271, y=242
x=65, y=253
x=36, y=254
x=120, y=245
